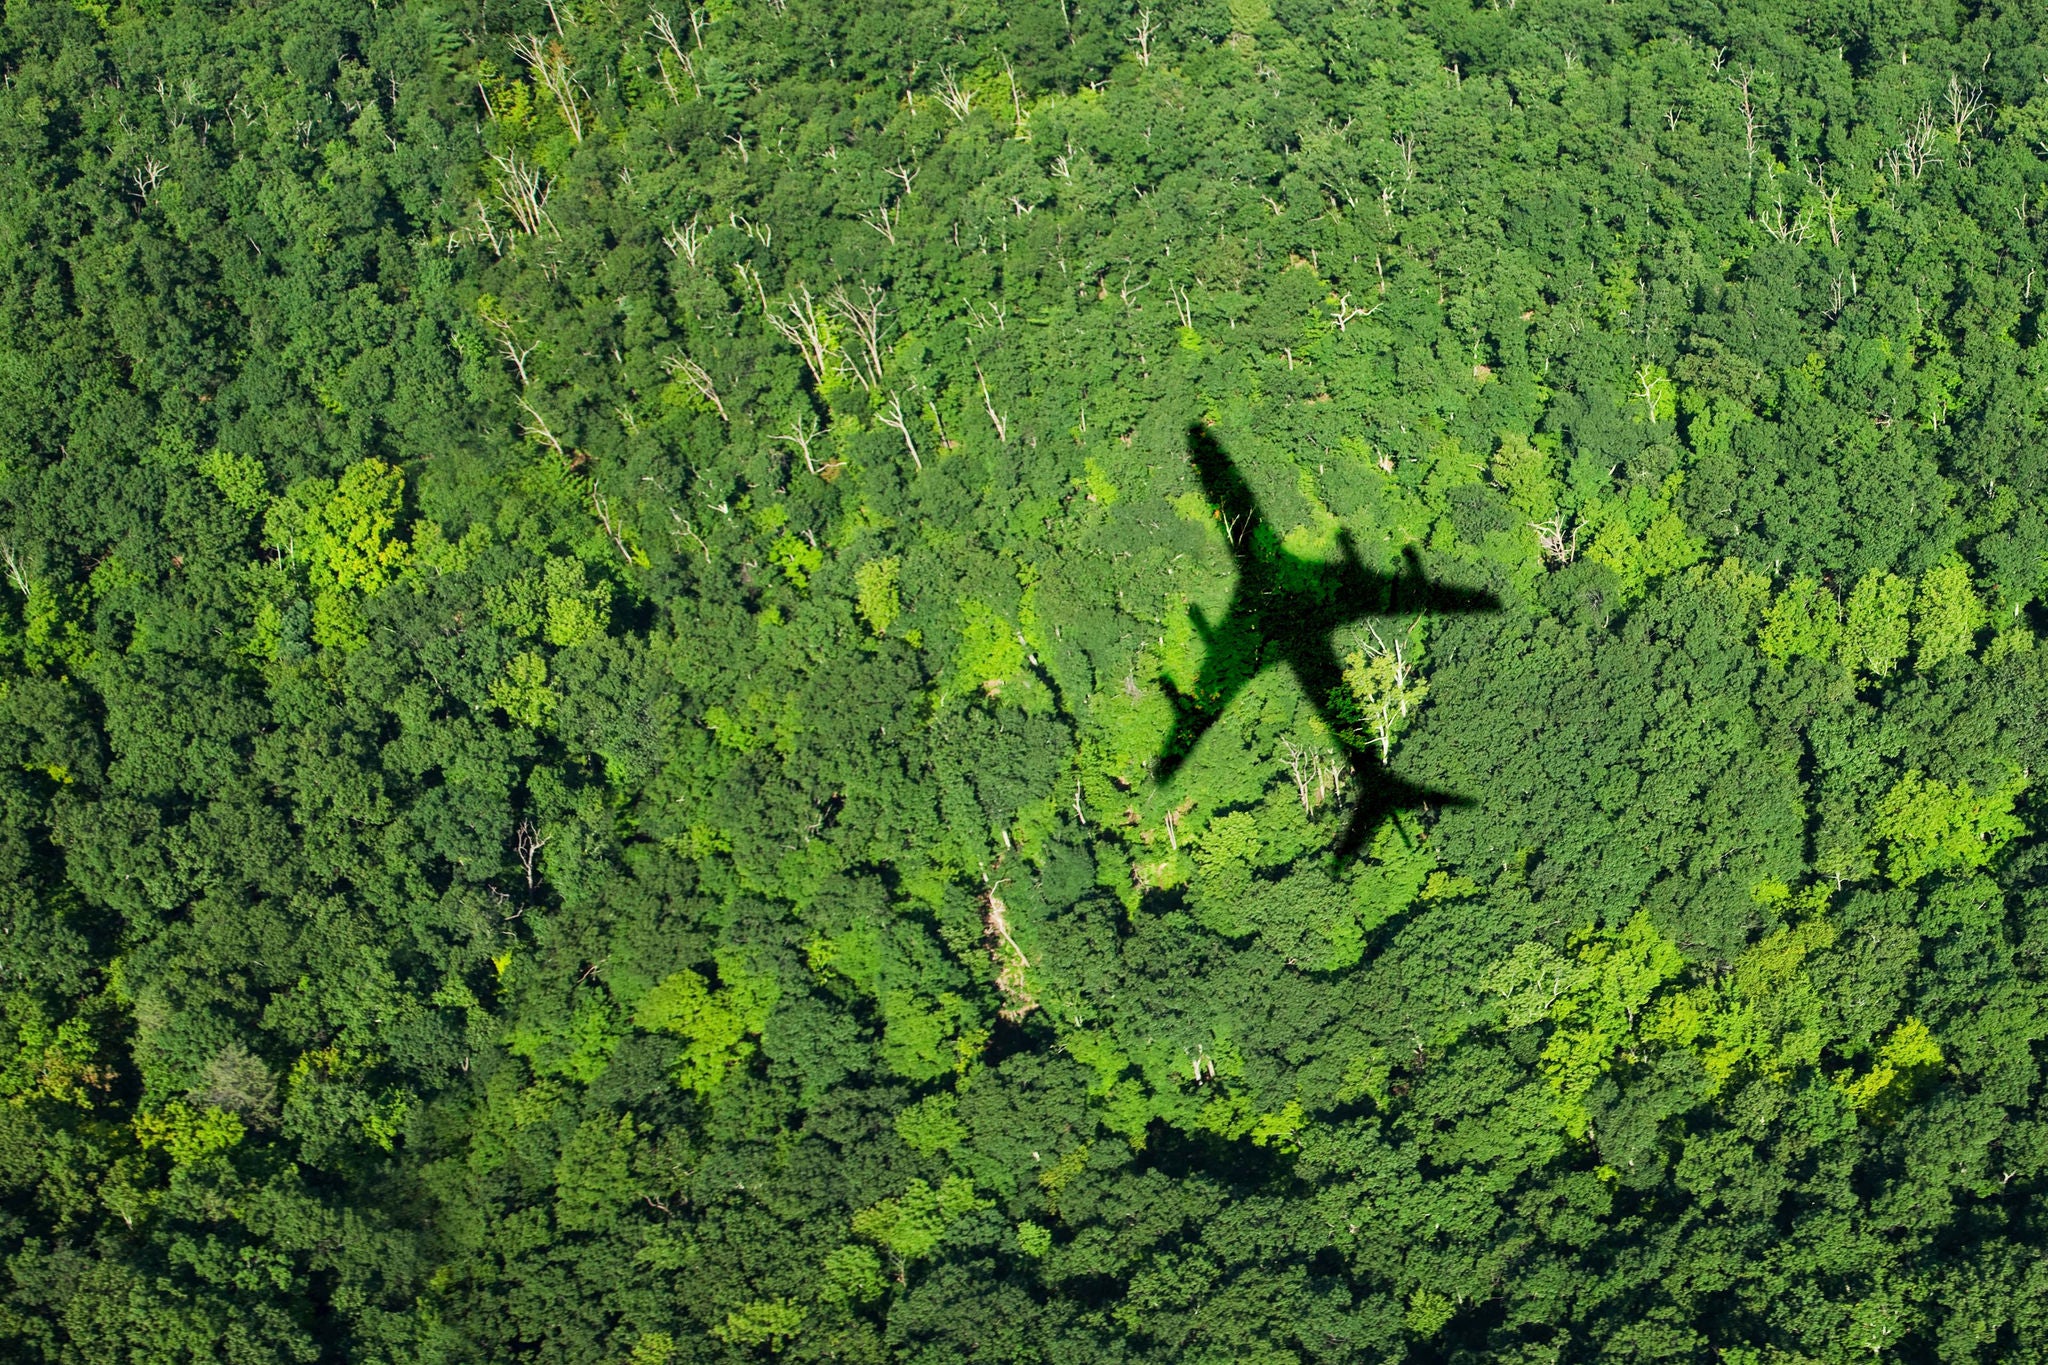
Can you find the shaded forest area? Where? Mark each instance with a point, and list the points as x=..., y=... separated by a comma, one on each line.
x=594, y=604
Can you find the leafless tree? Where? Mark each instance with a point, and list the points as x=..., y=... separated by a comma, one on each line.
x=996, y=418
x=490, y=231
x=17, y=577
x=864, y=321
x=508, y=345
x=1965, y=102
x=957, y=99
x=527, y=844
x=665, y=31
x=1343, y=313
x=538, y=429
x=685, y=241
x=1147, y=28
x=892, y=416
x=145, y=178
x=804, y=331
x=1749, y=113
x=699, y=379
x=801, y=439
x=883, y=220
x=549, y=63
x=524, y=193
x=1558, y=541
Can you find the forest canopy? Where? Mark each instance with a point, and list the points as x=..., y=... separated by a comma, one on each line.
x=605, y=613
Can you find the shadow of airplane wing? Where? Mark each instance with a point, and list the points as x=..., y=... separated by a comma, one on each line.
x=1224, y=485
x=1379, y=791
x=1229, y=661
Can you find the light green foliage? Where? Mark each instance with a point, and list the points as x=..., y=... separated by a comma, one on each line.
x=1615, y=978
x=240, y=479
x=523, y=693
x=1908, y=1056
x=1804, y=619
x=878, y=603
x=349, y=532
x=653, y=1348
x=852, y=1274
x=1524, y=471
x=1034, y=1238
x=577, y=612
x=719, y=1023
x=1639, y=536
x=932, y=1125
x=991, y=654
x=1225, y=859
x=911, y=1227
x=188, y=1135
x=1874, y=640
x=1428, y=1312
x=763, y=1322
x=1947, y=614
x=797, y=558
x=1932, y=827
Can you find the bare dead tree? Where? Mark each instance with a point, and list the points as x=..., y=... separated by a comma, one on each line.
x=801, y=439
x=884, y=220
x=508, y=345
x=864, y=321
x=549, y=63
x=490, y=231
x=699, y=379
x=1965, y=102
x=664, y=30
x=17, y=577
x=957, y=99
x=1147, y=28
x=602, y=506
x=1344, y=314
x=1830, y=202
x=523, y=190
x=685, y=241
x=749, y=275
x=528, y=843
x=1749, y=114
x=537, y=428
x=145, y=178
x=996, y=418
x=892, y=416
x=1558, y=541
x=1016, y=100
x=804, y=331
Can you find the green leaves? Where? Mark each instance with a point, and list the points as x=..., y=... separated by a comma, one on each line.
x=718, y=1024
x=1932, y=827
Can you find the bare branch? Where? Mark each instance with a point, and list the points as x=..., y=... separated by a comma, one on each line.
x=537, y=428
x=805, y=332
x=524, y=193
x=699, y=379
x=892, y=416
x=864, y=320
x=956, y=99
x=550, y=66
x=1002, y=427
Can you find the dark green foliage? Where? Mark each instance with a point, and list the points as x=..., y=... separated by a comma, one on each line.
x=623, y=738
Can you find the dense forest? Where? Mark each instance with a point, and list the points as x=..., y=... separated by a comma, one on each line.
x=625, y=738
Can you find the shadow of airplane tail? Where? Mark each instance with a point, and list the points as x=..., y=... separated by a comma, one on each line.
x=1380, y=794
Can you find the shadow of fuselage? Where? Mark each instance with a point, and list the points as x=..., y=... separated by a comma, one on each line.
x=1285, y=611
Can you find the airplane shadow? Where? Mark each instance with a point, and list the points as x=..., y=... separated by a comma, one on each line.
x=1285, y=611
